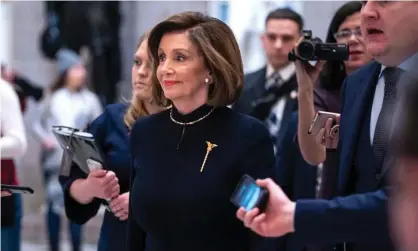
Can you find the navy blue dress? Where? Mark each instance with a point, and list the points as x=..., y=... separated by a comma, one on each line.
x=113, y=137
x=181, y=208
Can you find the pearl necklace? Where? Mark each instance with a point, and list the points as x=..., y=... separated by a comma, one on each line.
x=191, y=122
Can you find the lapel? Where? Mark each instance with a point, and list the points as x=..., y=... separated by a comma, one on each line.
x=259, y=83
x=353, y=114
x=291, y=105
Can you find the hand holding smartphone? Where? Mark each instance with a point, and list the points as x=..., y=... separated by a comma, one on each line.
x=249, y=195
x=320, y=121
x=96, y=165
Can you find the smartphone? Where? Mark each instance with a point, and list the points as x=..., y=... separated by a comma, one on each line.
x=249, y=195
x=93, y=164
x=321, y=119
x=17, y=189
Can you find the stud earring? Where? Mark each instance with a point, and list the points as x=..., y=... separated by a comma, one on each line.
x=206, y=80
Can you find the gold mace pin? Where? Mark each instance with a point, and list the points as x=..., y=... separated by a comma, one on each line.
x=208, y=150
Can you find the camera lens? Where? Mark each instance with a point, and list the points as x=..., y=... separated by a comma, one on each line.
x=306, y=50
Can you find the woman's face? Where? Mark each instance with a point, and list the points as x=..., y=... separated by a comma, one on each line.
x=349, y=32
x=76, y=76
x=141, y=73
x=181, y=70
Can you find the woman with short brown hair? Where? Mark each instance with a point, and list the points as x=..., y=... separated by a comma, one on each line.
x=189, y=159
x=219, y=51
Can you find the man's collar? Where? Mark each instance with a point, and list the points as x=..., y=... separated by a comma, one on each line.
x=285, y=73
x=409, y=65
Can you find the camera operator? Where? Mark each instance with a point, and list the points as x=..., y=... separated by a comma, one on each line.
x=344, y=28
x=358, y=218
x=325, y=96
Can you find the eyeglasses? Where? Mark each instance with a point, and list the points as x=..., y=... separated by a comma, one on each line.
x=346, y=34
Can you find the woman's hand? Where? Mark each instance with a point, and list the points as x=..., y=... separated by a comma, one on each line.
x=103, y=184
x=5, y=193
x=120, y=206
x=326, y=137
x=306, y=74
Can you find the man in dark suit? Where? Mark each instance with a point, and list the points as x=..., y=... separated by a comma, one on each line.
x=357, y=220
x=270, y=93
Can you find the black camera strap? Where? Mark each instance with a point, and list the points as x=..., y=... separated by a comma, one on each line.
x=67, y=157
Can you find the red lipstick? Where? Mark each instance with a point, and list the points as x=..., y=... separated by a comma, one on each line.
x=169, y=82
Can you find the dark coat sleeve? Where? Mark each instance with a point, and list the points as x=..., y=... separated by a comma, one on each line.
x=355, y=218
x=29, y=89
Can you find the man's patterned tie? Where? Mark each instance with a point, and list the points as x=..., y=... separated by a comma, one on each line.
x=384, y=122
x=273, y=124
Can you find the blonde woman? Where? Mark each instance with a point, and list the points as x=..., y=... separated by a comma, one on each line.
x=83, y=193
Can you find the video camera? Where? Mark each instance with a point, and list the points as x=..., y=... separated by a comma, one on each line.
x=313, y=49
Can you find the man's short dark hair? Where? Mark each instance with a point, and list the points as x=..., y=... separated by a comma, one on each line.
x=286, y=13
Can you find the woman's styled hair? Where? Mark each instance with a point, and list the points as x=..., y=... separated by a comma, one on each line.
x=216, y=43
x=136, y=108
x=333, y=74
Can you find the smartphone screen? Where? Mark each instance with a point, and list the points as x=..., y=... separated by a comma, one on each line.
x=248, y=194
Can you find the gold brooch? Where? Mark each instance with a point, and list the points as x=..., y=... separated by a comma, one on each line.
x=208, y=150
